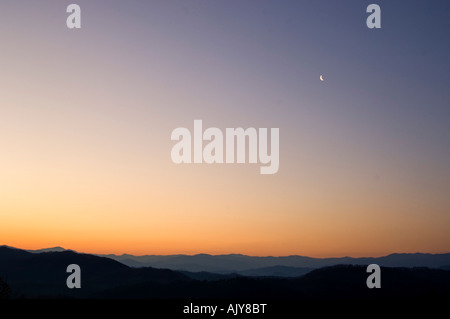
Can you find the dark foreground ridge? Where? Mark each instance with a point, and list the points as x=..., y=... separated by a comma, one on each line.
x=43, y=275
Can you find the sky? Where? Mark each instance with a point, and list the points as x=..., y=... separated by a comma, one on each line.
x=86, y=117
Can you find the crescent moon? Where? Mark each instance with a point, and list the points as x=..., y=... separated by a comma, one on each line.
x=321, y=77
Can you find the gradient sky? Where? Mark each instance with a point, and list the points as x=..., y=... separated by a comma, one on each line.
x=86, y=117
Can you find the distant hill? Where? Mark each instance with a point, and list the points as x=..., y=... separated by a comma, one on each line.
x=48, y=250
x=276, y=271
x=209, y=276
x=235, y=263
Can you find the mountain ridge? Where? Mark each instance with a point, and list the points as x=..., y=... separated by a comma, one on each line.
x=263, y=265
x=43, y=275
x=236, y=263
x=229, y=263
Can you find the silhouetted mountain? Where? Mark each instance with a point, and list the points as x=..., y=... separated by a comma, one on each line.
x=330, y=283
x=235, y=263
x=348, y=282
x=44, y=274
x=10, y=253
